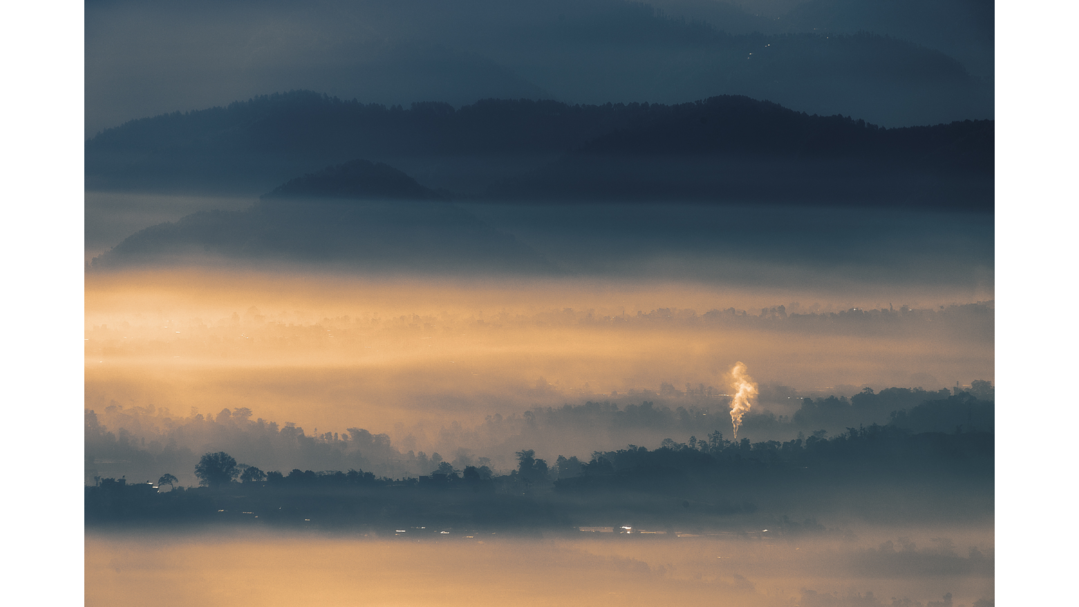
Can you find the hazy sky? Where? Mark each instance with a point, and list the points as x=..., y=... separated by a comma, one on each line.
x=144, y=59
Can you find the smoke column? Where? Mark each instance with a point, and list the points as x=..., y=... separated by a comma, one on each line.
x=744, y=389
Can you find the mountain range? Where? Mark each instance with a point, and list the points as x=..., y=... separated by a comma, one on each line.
x=721, y=149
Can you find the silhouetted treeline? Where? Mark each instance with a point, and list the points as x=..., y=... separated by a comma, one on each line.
x=875, y=472
x=962, y=412
x=143, y=442
x=146, y=441
x=725, y=148
x=884, y=473
x=889, y=449
x=940, y=411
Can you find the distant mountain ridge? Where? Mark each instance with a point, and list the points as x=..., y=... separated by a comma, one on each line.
x=737, y=149
x=494, y=148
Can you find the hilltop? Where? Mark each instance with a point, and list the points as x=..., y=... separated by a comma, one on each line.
x=356, y=180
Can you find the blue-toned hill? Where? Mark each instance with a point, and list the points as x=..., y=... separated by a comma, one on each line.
x=359, y=216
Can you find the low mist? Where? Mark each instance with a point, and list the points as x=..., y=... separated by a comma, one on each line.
x=332, y=353
x=913, y=567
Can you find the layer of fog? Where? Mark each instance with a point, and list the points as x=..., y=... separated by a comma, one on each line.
x=913, y=567
x=333, y=353
x=664, y=301
x=896, y=257
x=110, y=217
x=483, y=369
x=798, y=248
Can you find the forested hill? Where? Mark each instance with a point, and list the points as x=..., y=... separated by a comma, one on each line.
x=254, y=145
x=735, y=148
x=739, y=125
x=305, y=121
x=358, y=180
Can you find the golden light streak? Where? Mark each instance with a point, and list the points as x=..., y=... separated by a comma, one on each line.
x=332, y=352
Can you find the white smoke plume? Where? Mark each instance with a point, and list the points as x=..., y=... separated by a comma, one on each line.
x=744, y=389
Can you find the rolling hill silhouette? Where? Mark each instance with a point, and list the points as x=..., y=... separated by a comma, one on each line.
x=357, y=216
x=735, y=149
x=727, y=148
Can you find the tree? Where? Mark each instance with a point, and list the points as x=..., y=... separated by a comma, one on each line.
x=475, y=475
x=530, y=469
x=982, y=390
x=252, y=474
x=167, y=479
x=216, y=469
x=568, y=468
x=445, y=470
